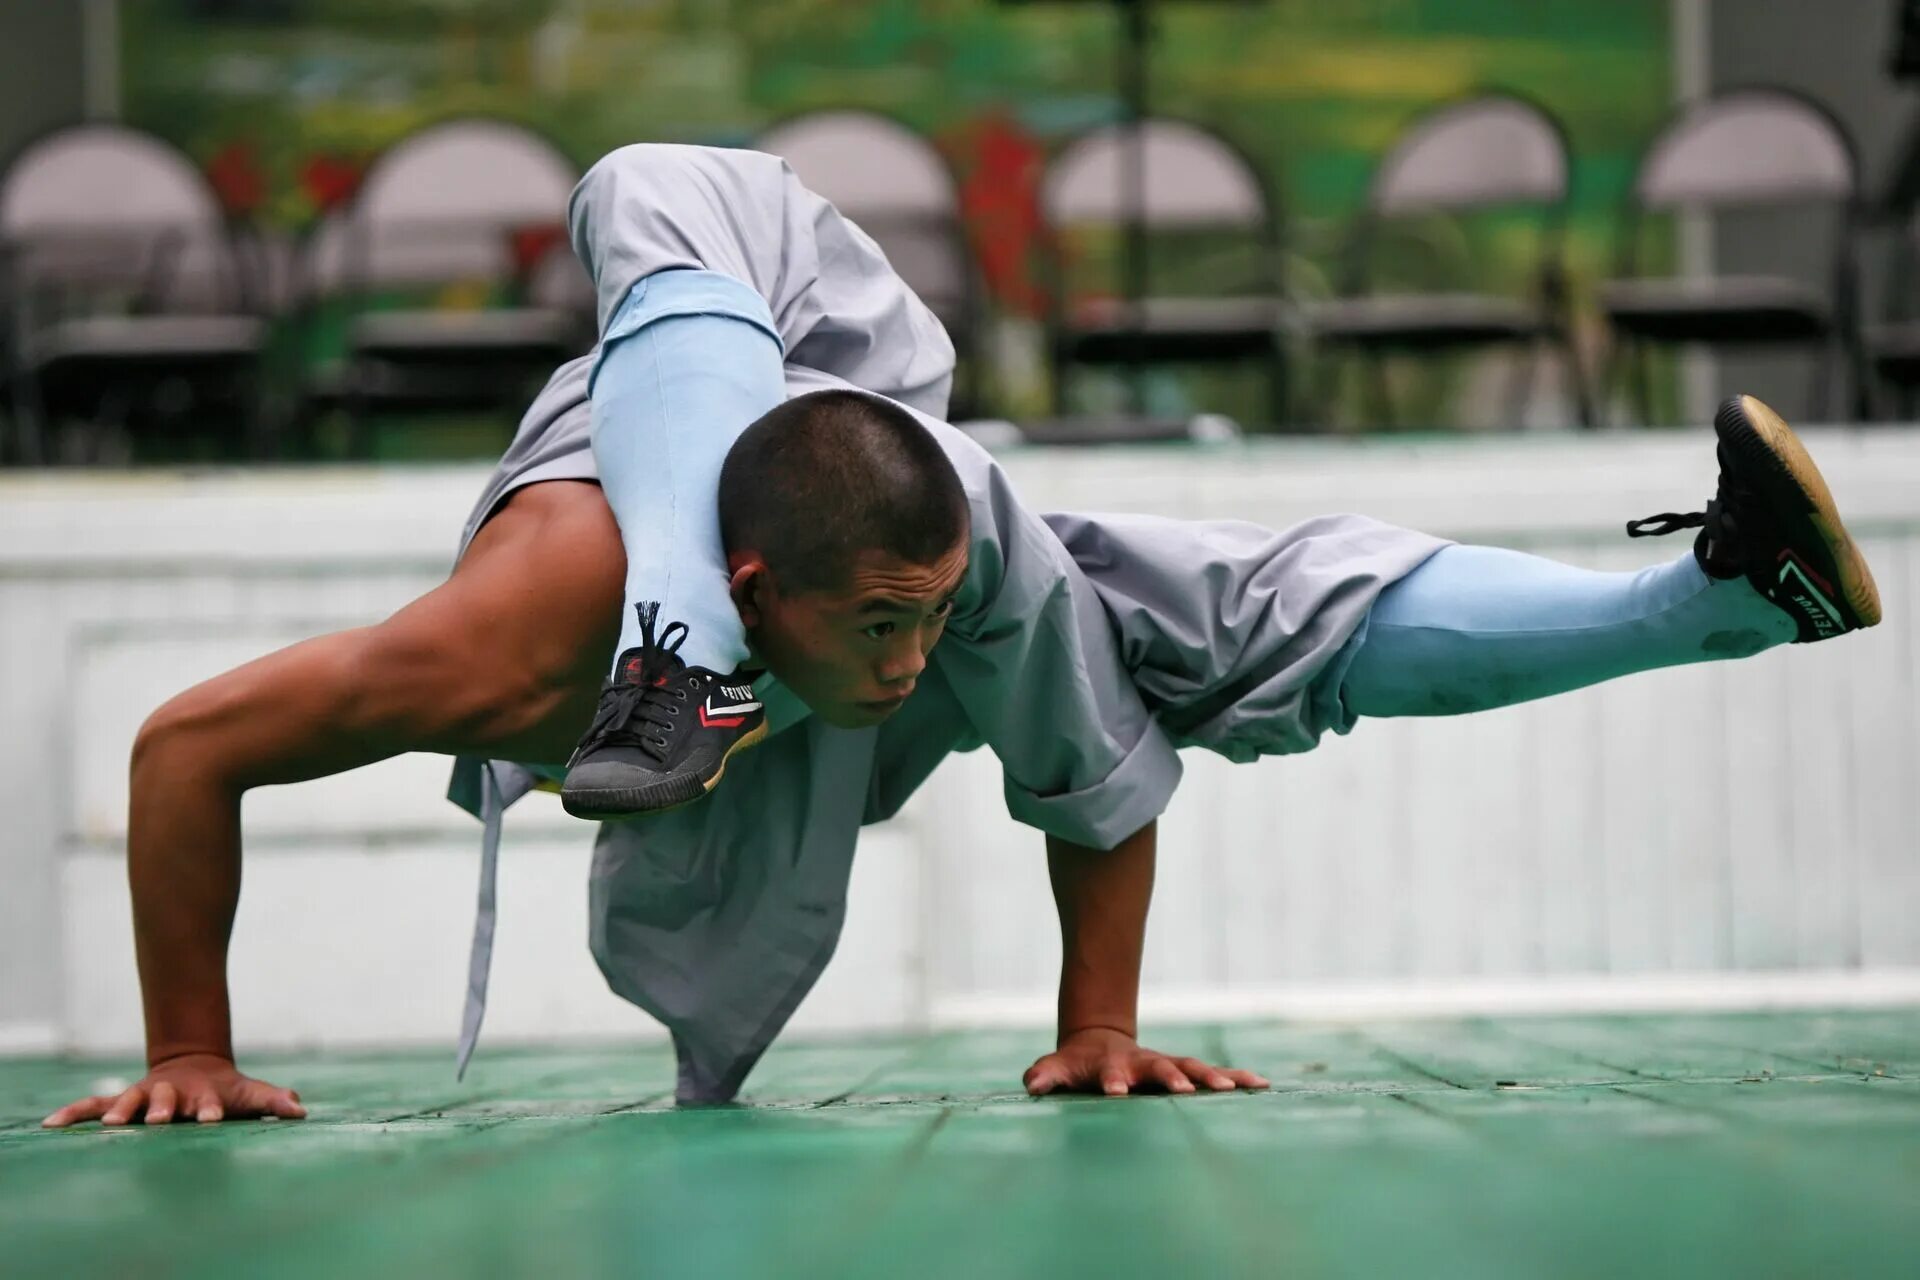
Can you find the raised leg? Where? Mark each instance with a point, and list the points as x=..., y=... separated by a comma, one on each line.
x=1481, y=627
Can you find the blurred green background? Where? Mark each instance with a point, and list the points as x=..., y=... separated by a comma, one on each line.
x=285, y=101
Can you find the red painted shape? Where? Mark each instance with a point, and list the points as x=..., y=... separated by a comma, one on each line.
x=1000, y=164
x=238, y=179
x=329, y=181
x=1807, y=569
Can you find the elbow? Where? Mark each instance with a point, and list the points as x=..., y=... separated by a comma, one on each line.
x=183, y=734
x=159, y=736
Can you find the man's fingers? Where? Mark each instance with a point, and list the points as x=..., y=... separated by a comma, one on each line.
x=160, y=1109
x=285, y=1103
x=1221, y=1077
x=1043, y=1077
x=209, y=1111
x=1170, y=1076
x=1206, y=1073
x=78, y=1112
x=126, y=1106
x=1113, y=1080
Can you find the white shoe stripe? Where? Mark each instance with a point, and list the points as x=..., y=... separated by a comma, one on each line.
x=1790, y=567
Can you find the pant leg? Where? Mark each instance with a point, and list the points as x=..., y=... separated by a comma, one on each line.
x=688, y=363
x=837, y=305
x=1480, y=627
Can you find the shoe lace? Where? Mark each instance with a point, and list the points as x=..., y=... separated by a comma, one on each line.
x=1720, y=519
x=643, y=713
x=1673, y=522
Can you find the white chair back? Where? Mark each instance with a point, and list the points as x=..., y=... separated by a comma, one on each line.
x=1194, y=180
x=102, y=177
x=864, y=163
x=892, y=183
x=1489, y=151
x=442, y=205
x=1754, y=146
x=99, y=208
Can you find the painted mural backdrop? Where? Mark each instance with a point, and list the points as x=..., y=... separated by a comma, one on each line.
x=285, y=101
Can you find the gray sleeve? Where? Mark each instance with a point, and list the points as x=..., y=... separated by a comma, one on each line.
x=1031, y=657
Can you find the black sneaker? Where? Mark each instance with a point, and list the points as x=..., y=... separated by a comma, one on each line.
x=1774, y=522
x=663, y=732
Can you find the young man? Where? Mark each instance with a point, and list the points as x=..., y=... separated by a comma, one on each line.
x=901, y=594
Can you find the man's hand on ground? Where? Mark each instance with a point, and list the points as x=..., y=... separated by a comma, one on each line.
x=1100, y=1060
x=196, y=1086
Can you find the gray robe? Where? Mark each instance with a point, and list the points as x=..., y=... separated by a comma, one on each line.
x=1084, y=650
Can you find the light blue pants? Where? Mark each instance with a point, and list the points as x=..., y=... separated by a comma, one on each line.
x=1480, y=627
x=688, y=362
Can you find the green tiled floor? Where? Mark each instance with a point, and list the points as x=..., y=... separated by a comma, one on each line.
x=1755, y=1145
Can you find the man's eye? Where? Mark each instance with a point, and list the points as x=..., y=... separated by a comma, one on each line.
x=878, y=631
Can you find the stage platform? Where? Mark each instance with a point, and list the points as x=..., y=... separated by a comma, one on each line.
x=1744, y=1144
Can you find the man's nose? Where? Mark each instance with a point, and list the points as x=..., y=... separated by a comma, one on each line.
x=904, y=667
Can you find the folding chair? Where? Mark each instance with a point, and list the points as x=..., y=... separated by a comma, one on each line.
x=1750, y=148
x=895, y=185
x=1488, y=154
x=436, y=260
x=126, y=305
x=1200, y=200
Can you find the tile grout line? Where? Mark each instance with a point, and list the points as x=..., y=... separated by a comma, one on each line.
x=1402, y=1060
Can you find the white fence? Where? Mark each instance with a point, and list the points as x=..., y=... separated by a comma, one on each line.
x=1752, y=818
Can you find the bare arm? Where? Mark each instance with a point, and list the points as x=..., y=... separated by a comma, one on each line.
x=193, y=760
x=286, y=717
x=503, y=658
x=1102, y=896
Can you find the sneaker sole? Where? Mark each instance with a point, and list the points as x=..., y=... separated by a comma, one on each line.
x=1855, y=578
x=610, y=803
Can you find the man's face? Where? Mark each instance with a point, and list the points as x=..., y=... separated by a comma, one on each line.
x=852, y=653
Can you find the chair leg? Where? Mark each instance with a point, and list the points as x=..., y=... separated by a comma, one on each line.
x=359, y=428
x=1576, y=375
x=1821, y=386
x=1278, y=408
x=1854, y=353
x=115, y=410
x=1524, y=380
x=262, y=422
x=30, y=422
x=1379, y=391
x=1325, y=365
x=1643, y=382
x=1609, y=379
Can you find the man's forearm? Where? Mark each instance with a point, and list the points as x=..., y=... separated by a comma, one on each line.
x=1102, y=896
x=282, y=718
x=183, y=866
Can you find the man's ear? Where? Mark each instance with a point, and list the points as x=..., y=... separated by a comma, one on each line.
x=748, y=585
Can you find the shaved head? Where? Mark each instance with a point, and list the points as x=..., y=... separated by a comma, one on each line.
x=831, y=474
